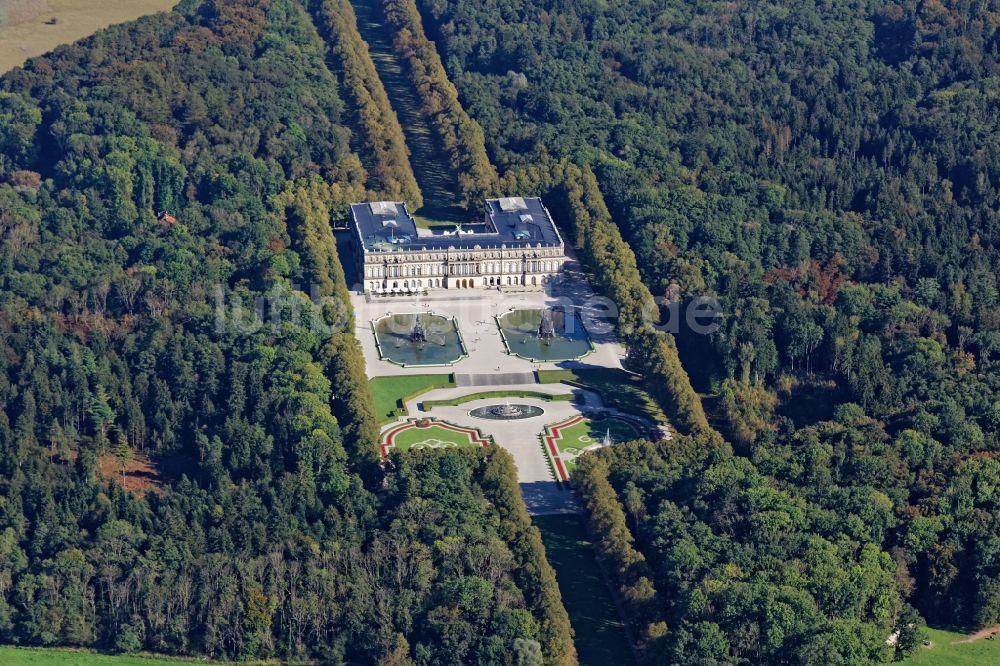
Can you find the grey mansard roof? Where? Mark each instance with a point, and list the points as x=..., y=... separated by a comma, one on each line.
x=513, y=222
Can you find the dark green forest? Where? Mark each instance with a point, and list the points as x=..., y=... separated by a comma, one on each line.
x=147, y=174
x=181, y=477
x=831, y=172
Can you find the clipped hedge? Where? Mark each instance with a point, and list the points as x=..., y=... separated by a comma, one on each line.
x=630, y=571
x=574, y=197
x=558, y=397
x=308, y=204
x=600, y=245
x=375, y=115
x=353, y=404
x=668, y=383
x=614, y=540
x=307, y=207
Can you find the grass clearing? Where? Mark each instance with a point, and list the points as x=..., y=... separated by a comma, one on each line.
x=617, y=388
x=599, y=633
x=141, y=475
x=76, y=19
x=390, y=393
x=16, y=656
x=944, y=651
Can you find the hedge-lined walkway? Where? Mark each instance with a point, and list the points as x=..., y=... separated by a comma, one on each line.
x=430, y=164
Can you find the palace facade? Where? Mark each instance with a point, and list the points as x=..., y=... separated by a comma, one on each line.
x=516, y=245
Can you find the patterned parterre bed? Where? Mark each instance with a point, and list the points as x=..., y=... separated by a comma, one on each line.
x=419, y=434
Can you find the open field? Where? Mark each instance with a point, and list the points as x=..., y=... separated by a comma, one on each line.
x=599, y=633
x=945, y=651
x=389, y=392
x=76, y=19
x=11, y=656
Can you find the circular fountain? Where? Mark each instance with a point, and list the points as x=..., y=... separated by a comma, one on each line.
x=506, y=412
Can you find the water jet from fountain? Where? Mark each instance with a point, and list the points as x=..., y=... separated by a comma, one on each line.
x=506, y=410
x=546, y=327
x=418, y=334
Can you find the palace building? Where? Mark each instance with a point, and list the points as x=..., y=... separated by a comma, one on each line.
x=516, y=245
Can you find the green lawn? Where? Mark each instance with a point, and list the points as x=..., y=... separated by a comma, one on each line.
x=577, y=437
x=943, y=652
x=593, y=431
x=441, y=218
x=617, y=388
x=558, y=397
x=389, y=392
x=10, y=656
x=599, y=633
x=433, y=437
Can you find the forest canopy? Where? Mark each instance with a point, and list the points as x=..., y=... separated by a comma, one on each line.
x=829, y=172
x=180, y=481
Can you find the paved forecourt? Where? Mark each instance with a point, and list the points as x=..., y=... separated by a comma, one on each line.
x=488, y=367
x=475, y=312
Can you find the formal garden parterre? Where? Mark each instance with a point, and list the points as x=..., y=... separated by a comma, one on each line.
x=565, y=441
x=423, y=433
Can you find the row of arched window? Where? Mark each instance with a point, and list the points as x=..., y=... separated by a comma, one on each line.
x=463, y=283
x=462, y=269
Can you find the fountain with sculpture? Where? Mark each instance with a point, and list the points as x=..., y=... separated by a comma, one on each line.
x=545, y=334
x=546, y=327
x=418, y=338
x=417, y=333
x=506, y=412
